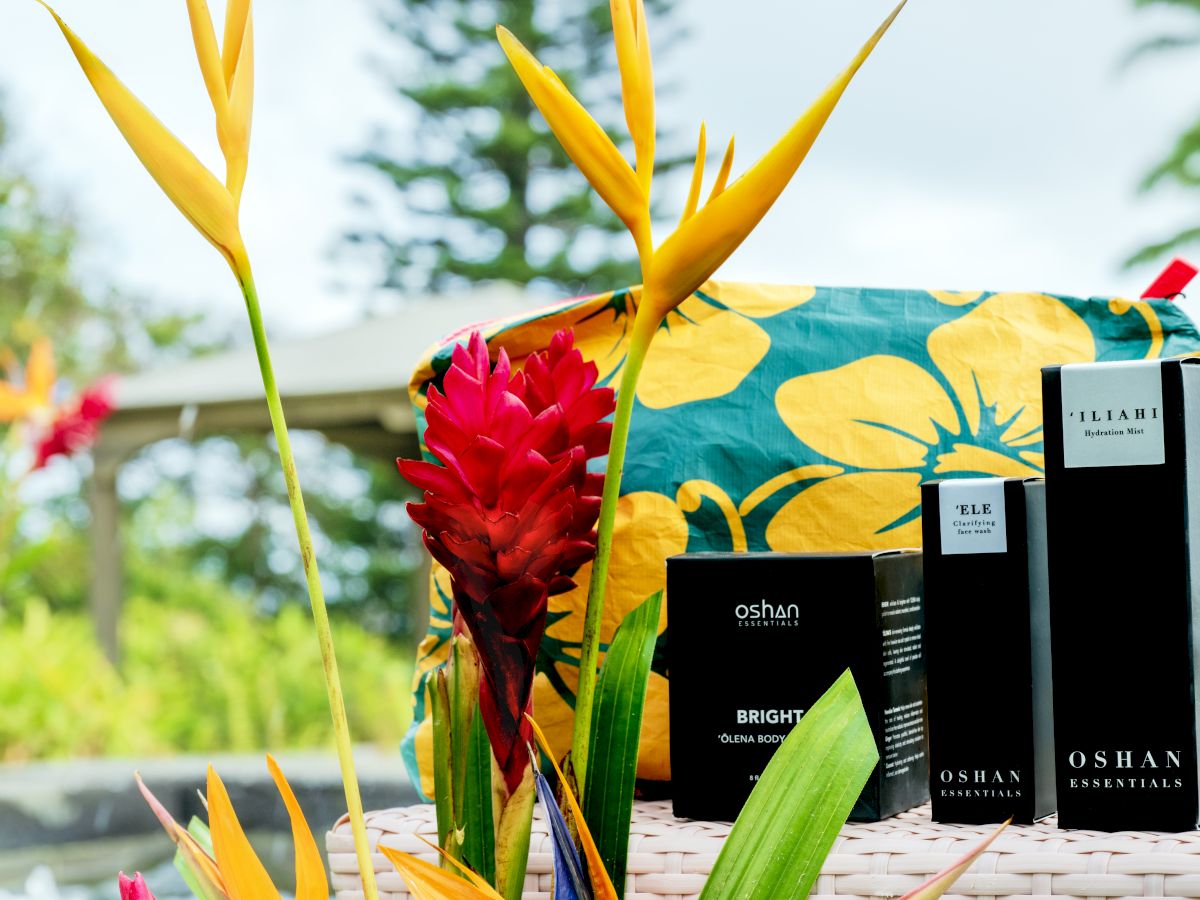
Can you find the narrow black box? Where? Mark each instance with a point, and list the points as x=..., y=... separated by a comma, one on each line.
x=987, y=627
x=1123, y=499
x=756, y=638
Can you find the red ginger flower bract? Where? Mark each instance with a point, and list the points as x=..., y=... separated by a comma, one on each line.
x=76, y=425
x=510, y=512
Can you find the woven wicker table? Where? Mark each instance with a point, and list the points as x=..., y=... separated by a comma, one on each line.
x=670, y=858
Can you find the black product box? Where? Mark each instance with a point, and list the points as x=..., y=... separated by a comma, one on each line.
x=1123, y=499
x=987, y=637
x=757, y=638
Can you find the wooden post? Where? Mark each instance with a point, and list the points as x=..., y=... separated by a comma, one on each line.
x=107, y=570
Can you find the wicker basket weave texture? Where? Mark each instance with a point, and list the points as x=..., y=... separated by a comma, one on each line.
x=670, y=858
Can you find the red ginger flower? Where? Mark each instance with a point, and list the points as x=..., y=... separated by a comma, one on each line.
x=76, y=425
x=510, y=512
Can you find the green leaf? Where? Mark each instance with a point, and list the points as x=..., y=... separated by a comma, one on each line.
x=786, y=828
x=199, y=831
x=443, y=791
x=944, y=880
x=477, y=824
x=616, y=732
x=463, y=677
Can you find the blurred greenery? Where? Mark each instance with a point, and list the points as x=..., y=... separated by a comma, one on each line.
x=486, y=191
x=220, y=506
x=96, y=328
x=218, y=648
x=1180, y=167
x=217, y=506
x=203, y=672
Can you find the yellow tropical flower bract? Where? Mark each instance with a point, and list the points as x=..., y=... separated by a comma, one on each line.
x=202, y=199
x=212, y=207
x=21, y=401
x=233, y=870
x=672, y=272
x=637, y=81
x=589, y=147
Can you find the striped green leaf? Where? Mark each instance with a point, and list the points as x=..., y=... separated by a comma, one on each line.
x=616, y=732
x=477, y=823
x=443, y=792
x=800, y=803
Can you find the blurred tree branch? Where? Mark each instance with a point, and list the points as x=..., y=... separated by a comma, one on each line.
x=1181, y=166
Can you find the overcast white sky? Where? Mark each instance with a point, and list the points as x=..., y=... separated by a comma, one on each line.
x=990, y=145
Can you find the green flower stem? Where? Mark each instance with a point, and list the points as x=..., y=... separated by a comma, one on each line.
x=10, y=508
x=316, y=595
x=589, y=651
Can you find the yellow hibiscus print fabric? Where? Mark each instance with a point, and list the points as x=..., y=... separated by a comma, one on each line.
x=793, y=419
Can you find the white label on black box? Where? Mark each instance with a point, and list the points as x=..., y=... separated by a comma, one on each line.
x=972, y=516
x=1112, y=414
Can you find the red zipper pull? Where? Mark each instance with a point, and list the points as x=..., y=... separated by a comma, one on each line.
x=1170, y=284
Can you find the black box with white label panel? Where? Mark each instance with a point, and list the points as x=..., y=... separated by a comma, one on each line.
x=1122, y=446
x=756, y=638
x=987, y=631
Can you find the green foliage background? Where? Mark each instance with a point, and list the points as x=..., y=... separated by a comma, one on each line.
x=203, y=672
x=218, y=649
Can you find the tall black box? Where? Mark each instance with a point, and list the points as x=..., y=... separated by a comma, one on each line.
x=987, y=637
x=1123, y=492
x=757, y=638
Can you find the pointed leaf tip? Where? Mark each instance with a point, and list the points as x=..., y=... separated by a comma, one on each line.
x=637, y=81
x=243, y=872
x=723, y=173
x=237, y=20
x=241, y=113
x=796, y=809
x=426, y=881
x=466, y=873
x=204, y=37
x=691, y=255
x=693, y=198
x=311, y=883
x=602, y=886
x=569, y=883
x=944, y=880
x=197, y=860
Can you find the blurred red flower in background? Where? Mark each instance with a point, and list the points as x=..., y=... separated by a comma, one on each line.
x=134, y=888
x=75, y=425
x=27, y=399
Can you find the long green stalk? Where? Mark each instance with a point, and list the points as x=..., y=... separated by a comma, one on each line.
x=589, y=651
x=316, y=594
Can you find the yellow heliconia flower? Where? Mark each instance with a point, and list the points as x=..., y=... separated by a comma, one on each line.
x=212, y=207
x=673, y=271
x=705, y=237
x=697, y=248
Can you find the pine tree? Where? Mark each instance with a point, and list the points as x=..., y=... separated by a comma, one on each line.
x=484, y=189
x=1181, y=166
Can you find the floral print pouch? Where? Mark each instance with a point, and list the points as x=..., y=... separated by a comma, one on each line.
x=795, y=419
